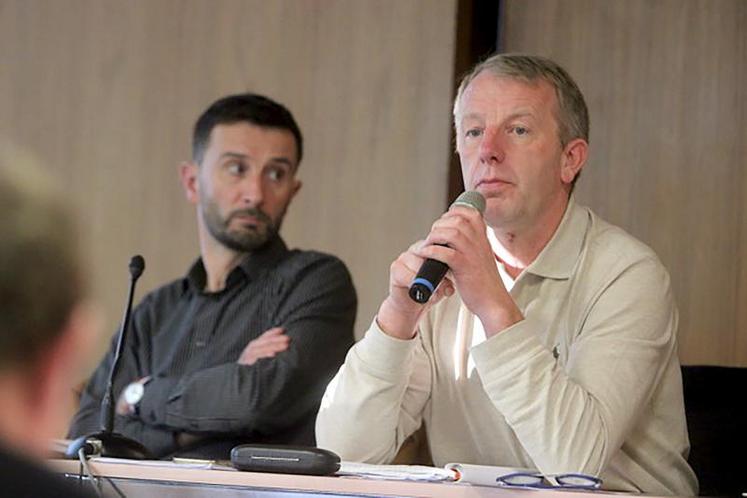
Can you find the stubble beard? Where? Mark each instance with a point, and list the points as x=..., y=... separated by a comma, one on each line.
x=247, y=238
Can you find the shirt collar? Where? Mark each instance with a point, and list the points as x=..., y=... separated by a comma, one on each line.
x=560, y=255
x=253, y=265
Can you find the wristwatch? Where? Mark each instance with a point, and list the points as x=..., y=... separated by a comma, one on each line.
x=134, y=392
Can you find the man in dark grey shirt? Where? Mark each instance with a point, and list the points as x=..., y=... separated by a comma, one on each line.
x=241, y=349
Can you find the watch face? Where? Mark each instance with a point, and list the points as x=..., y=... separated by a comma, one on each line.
x=134, y=393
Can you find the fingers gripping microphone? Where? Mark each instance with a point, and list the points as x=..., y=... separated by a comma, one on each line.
x=432, y=271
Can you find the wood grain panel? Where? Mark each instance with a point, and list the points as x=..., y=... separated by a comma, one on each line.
x=740, y=346
x=665, y=85
x=106, y=92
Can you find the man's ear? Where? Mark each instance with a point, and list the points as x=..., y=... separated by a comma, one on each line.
x=297, y=184
x=574, y=159
x=188, y=174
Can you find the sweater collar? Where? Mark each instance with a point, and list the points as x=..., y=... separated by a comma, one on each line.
x=559, y=256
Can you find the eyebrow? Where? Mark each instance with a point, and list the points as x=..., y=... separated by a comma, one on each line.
x=233, y=155
x=283, y=160
x=519, y=114
x=237, y=155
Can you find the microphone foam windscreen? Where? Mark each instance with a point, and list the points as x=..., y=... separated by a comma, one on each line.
x=471, y=198
x=137, y=266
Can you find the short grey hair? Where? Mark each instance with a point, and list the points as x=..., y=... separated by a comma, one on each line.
x=573, y=115
x=40, y=277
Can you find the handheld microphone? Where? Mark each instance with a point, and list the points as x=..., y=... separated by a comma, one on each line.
x=107, y=442
x=432, y=271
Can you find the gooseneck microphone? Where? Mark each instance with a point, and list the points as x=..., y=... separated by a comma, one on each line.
x=432, y=271
x=107, y=442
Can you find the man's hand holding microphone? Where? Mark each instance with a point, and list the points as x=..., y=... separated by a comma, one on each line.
x=455, y=255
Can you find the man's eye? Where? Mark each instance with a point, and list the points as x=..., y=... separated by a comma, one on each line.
x=235, y=168
x=520, y=130
x=473, y=132
x=276, y=174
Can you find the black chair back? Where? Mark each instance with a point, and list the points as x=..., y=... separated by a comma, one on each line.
x=716, y=408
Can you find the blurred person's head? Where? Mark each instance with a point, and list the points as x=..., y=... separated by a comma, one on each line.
x=44, y=332
x=246, y=150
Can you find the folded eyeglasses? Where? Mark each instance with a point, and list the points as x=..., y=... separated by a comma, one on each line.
x=541, y=481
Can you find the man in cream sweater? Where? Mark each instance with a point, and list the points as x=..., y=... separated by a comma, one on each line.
x=551, y=344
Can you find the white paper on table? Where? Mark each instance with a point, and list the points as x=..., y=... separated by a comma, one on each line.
x=396, y=472
x=176, y=463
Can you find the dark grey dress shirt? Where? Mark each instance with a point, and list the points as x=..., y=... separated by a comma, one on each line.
x=188, y=341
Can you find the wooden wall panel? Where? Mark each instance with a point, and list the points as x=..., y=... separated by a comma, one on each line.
x=740, y=50
x=665, y=82
x=106, y=93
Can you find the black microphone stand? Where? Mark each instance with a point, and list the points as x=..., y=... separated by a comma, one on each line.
x=107, y=442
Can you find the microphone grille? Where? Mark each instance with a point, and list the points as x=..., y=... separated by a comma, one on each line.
x=137, y=266
x=471, y=198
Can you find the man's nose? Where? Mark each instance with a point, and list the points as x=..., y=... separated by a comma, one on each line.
x=252, y=190
x=492, y=147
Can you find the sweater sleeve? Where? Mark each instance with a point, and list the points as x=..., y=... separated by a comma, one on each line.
x=376, y=400
x=572, y=416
